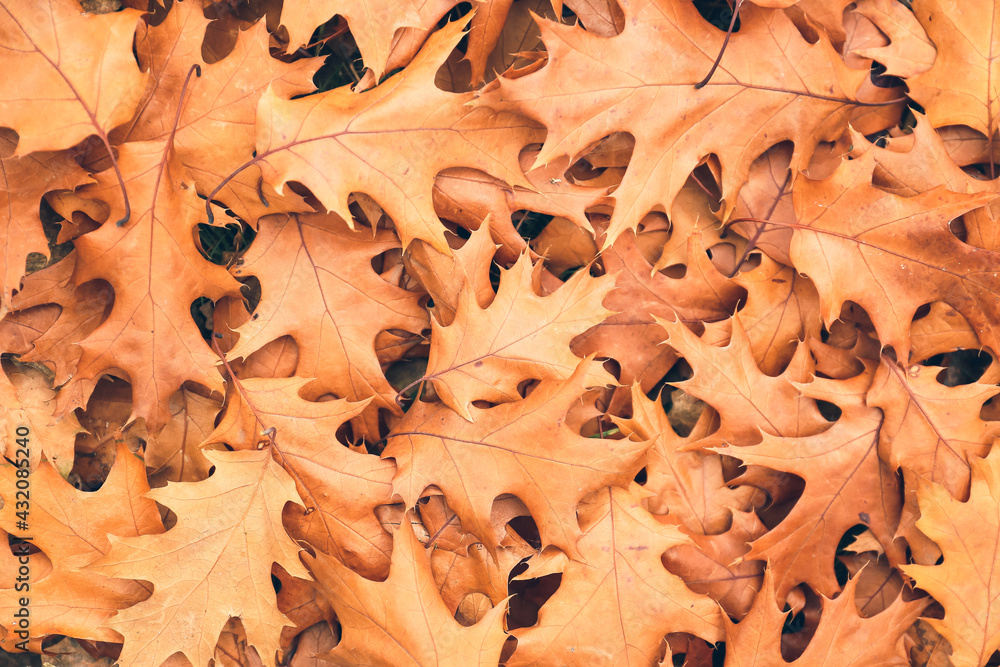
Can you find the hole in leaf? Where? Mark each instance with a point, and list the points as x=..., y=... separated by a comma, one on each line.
x=676, y=271
x=960, y=366
x=704, y=178
x=251, y=292
x=717, y=12
x=525, y=387
x=829, y=411
x=201, y=312
x=529, y=224
x=529, y=596
x=405, y=376
x=526, y=527
x=800, y=627
x=881, y=79
x=223, y=244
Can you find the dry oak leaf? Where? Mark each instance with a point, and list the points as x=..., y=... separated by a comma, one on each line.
x=846, y=483
x=403, y=620
x=156, y=270
x=19, y=329
x=967, y=583
x=214, y=131
x=781, y=309
x=767, y=195
x=903, y=245
x=930, y=428
x=340, y=487
x=524, y=448
x=960, y=88
x=466, y=196
x=81, y=310
x=716, y=565
x=910, y=51
x=471, y=580
x=617, y=601
x=565, y=246
x=373, y=23
x=918, y=162
x=389, y=142
x=67, y=602
x=215, y=563
x=750, y=403
x=318, y=286
x=942, y=330
x=23, y=182
x=843, y=637
x=486, y=352
x=878, y=582
x=68, y=75
x=72, y=527
x=27, y=399
x=631, y=335
x=929, y=649
x=173, y=454
x=773, y=86
x=444, y=277
x=687, y=485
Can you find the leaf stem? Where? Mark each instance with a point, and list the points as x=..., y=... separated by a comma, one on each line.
x=269, y=433
x=729, y=33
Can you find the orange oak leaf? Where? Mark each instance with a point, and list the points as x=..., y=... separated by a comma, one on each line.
x=594, y=85
x=942, y=330
x=214, y=131
x=631, y=335
x=403, y=620
x=228, y=533
x=958, y=89
x=842, y=638
x=444, y=277
x=68, y=74
x=462, y=193
x=19, y=329
x=967, y=583
x=919, y=162
x=715, y=565
x=615, y=604
x=527, y=444
x=23, y=181
x=373, y=23
x=173, y=454
x=911, y=51
x=932, y=429
x=389, y=142
x=846, y=483
x=82, y=309
x=69, y=603
x=156, y=270
x=486, y=352
x=687, y=485
x=28, y=402
x=470, y=581
x=750, y=403
x=340, y=487
x=904, y=245
x=782, y=309
x=73, y=526
x=318, y=286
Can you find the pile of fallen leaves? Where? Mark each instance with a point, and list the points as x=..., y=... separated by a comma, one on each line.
x=437, y=333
